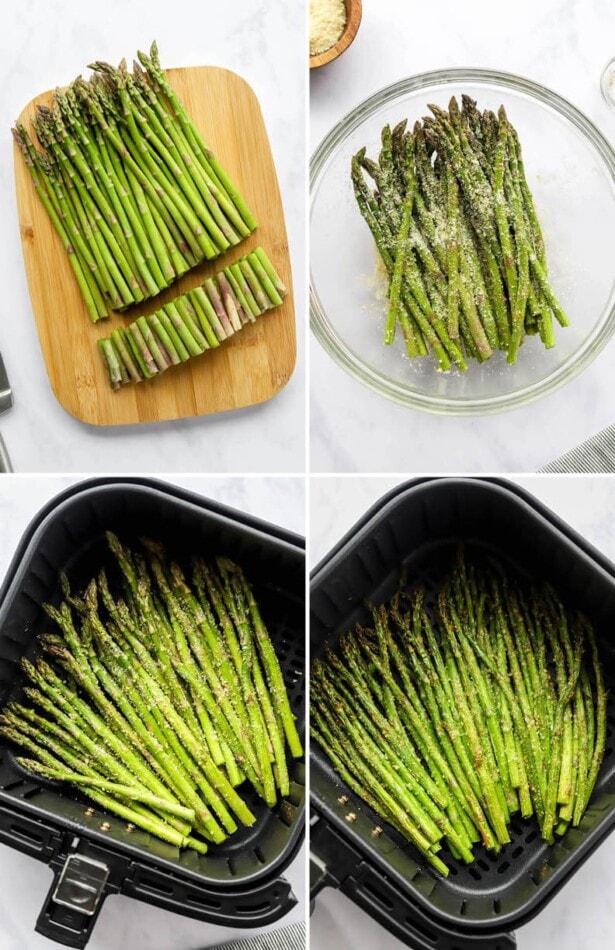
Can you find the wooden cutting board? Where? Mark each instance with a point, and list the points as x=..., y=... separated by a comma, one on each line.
x=253, y=365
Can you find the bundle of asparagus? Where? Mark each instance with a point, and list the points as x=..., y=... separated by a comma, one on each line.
x=448, y=728
x=454, y=221
x=197, y=321
x=160, y=703
x=134, y=193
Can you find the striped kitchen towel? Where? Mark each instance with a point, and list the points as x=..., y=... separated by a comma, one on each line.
x=595, y=455
x=291, y=937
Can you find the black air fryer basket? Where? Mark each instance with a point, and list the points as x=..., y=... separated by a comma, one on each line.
x=419, y=525
x=238, y=883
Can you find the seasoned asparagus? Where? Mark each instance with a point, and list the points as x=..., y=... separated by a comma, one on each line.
x=448, y=725
x=454, y=222
x=143, y=703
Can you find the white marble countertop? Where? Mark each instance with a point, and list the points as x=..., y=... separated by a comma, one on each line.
x=563, y=44
x=24, y=882
x=582, y=915
x=45, y=44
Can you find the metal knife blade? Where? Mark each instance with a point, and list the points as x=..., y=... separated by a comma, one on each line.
x=6, y=395
x=5, y=462
x=6, y=401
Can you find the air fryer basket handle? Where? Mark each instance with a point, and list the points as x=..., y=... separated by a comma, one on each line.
x=319, y=877
x=66, y=925
x=80, y=886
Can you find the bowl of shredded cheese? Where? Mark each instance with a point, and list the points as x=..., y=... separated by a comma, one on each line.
x=333, y=27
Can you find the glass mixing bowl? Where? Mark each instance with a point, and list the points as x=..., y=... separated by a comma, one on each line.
x=571, y=171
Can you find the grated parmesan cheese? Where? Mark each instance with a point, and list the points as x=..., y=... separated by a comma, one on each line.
x=327, y=22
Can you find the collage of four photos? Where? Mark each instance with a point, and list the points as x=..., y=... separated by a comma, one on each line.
x=307, y=443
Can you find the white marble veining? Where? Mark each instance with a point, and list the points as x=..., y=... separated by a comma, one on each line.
x=24, y=882
x=563, y=44
x=44, y=44
x=582, y=915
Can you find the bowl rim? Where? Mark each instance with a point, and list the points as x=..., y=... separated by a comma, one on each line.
x=405, y=394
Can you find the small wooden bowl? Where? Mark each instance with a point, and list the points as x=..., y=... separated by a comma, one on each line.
x=354, y=11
